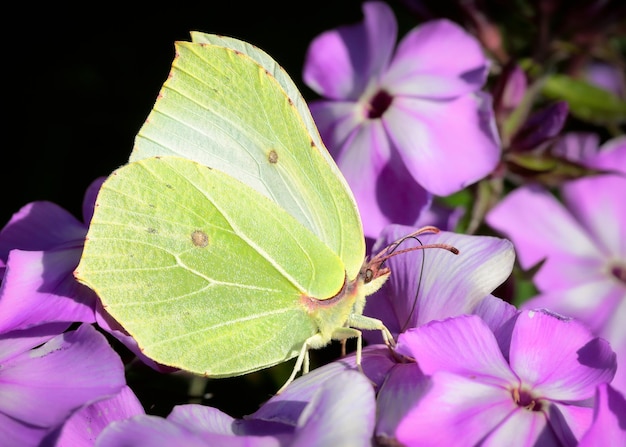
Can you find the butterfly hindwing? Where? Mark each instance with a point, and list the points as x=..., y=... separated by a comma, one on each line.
x=203, y=271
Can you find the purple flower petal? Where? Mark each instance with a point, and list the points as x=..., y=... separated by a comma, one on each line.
x=84, y=426
x=340, y=63
x=211, y=421
x=42, y=244
x=404, y=387
x=541, y=228
x=599, y=304
x=40, y=226
x=378, y=107
x=428, y=140
x=598, y=203
x=577, y=146
x=422, y=65
x=570, y=422
x=609, y=77
x=341, y=412
x=43, y=386
x=463, y=345
x=39, y=288
x=377, y=361
x=203, y=418
x=287, y=406
x=583, y=147
x=558, y=357
x=143, y=430
x=523, y=428
x=509, y=90
x=15, y=343
x=446, y=285
x=619, y=381
x=399, y=198
x=441, y=216
x=195, y=425
x=558, y=361
x=16, y=433
x=90, y=198
x=336, y=121
x=495, y=312
x=609, y=420
x=611, y=156
x=456, y=411
x=384, y=190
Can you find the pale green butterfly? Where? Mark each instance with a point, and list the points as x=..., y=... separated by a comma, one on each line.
x=231, y=241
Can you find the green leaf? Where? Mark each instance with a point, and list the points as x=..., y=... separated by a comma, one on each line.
x=586, y=101
x=546, y=169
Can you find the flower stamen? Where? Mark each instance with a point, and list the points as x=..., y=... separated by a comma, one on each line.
x=526, y=400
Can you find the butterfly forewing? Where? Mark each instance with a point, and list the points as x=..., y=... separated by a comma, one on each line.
x=225, y=109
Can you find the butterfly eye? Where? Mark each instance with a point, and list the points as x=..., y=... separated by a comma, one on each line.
x=368, y=276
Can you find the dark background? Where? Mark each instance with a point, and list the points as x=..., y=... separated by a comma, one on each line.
x=80, y=80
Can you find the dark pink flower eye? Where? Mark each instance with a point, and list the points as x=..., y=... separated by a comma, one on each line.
x=619, y=272
x=379, y=104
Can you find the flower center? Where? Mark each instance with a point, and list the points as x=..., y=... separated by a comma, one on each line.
x=524, y=399
x=379, y=104
x=619, y=272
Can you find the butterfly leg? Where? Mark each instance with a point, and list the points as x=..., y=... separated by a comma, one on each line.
x=347, y=332
x=343, y=348
x=344, y=333
x=305, y=363
x=302, y=362
x=371, y=324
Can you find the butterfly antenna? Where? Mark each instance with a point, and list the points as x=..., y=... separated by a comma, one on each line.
x=392, y=249
x=377, y=263
x=417, y=292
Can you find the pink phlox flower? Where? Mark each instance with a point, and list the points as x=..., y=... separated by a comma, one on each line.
x=532, y=386
x=406, y=124
x=581, y=241
x=427, y=285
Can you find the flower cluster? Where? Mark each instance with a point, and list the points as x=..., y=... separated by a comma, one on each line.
x=516, y=341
